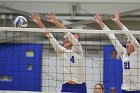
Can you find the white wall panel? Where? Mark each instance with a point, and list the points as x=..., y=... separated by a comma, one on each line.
x=106, y=8
x=114, y=1
x=41, y=7
x=66, y=8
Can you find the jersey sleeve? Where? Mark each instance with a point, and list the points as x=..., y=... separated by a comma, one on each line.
x=57, y=47
x=119, y=48
x=131, y=38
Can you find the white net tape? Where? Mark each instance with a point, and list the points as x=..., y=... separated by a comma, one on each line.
x=66, y=30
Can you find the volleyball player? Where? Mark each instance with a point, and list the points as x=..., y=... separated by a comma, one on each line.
x=130, y=55
x=71, y=55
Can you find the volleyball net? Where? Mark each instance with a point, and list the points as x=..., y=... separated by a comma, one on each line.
x=29, y=62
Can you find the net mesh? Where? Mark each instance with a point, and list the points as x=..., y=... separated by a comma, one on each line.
x=52, y=69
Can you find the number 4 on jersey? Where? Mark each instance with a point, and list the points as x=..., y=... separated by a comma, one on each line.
x=72, y=59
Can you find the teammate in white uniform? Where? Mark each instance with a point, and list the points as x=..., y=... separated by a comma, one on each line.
x=71, y=55
x=130, y=55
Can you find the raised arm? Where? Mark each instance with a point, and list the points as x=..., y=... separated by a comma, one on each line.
x=119, y=48
x=36, y=19
x=52, y=18
x=98, y=19
x=130, y=37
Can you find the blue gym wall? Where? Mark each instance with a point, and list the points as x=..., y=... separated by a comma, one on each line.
x=23, y=72
x=112, y=70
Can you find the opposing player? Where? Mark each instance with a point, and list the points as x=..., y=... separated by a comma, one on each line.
x=130, y=55
x=71, y=55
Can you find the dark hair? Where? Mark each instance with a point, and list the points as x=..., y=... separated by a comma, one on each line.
x=102, y=86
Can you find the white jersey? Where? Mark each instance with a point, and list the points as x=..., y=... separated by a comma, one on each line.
x=72, y=59
x=130, y=63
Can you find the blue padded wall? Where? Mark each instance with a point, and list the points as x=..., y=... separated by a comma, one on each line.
x=112, y=70
x=23, y=72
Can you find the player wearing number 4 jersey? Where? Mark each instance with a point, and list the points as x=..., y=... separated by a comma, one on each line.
x=130, y=55
x=71, y=56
